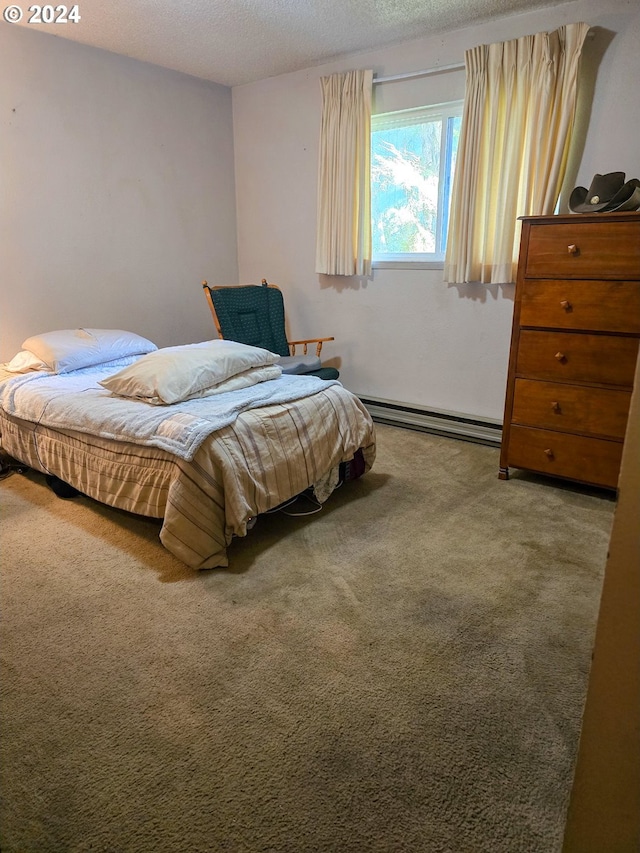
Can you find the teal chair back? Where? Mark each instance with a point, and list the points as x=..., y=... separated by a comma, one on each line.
x=252, y=314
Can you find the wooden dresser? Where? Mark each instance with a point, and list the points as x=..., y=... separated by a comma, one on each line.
x=574, y=346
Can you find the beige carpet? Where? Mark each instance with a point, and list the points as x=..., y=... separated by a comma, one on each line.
x=404, y=671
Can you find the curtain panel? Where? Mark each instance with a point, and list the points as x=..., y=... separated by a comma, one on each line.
x=343, y=245
x=514, y=142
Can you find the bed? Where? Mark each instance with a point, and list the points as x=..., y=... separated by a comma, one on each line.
x=207, y=463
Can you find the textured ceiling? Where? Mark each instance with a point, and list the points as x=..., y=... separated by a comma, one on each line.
x=239, y=41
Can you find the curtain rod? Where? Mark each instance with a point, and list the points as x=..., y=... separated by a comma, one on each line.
x=438, y=69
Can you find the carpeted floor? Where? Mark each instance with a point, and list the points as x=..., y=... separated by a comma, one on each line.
x=404, y=671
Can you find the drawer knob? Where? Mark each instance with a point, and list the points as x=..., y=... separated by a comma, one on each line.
x=549, y=453
x=555, y=406
x=566, y=305
x=560, y=356
x=572, y=249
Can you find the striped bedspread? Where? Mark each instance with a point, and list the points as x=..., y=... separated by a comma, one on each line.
x=266, y=456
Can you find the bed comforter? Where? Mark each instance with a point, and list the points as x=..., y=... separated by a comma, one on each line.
x=265, y=456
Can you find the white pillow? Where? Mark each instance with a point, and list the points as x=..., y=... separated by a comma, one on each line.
x=247, y=378
x=173, y=374
x=71, y=349
x=23, y=362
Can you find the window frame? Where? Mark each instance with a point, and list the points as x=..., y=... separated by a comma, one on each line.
x=403, y=118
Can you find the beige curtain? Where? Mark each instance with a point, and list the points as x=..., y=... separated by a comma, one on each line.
x=512, y=154
x=343, y=244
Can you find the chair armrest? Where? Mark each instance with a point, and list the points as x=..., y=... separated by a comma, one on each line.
x=318, y=341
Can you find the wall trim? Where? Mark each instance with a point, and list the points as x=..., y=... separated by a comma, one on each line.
x=437, y=421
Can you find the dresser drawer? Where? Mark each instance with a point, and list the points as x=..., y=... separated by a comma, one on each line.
x=600, y=306
x=584, y=250
x=571, y=408
x=574, y=357
x=589, y=460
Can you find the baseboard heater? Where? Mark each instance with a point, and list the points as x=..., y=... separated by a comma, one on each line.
x=451, y=424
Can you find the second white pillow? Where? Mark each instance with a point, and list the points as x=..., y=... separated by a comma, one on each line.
x=173, y=374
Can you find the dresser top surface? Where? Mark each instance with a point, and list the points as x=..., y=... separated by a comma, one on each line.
x=573, y=218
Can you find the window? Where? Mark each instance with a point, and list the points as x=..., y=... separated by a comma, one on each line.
x=413, y=154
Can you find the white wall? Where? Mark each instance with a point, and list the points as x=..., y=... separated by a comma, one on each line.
x=117, y=198
x=404, y=335
x=116, y=192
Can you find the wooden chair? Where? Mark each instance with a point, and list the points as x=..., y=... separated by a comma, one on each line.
x=254, y=315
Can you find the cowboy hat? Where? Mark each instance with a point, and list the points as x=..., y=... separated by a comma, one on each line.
x=606, y=193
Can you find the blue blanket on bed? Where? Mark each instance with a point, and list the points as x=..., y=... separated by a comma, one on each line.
x=75, y=401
